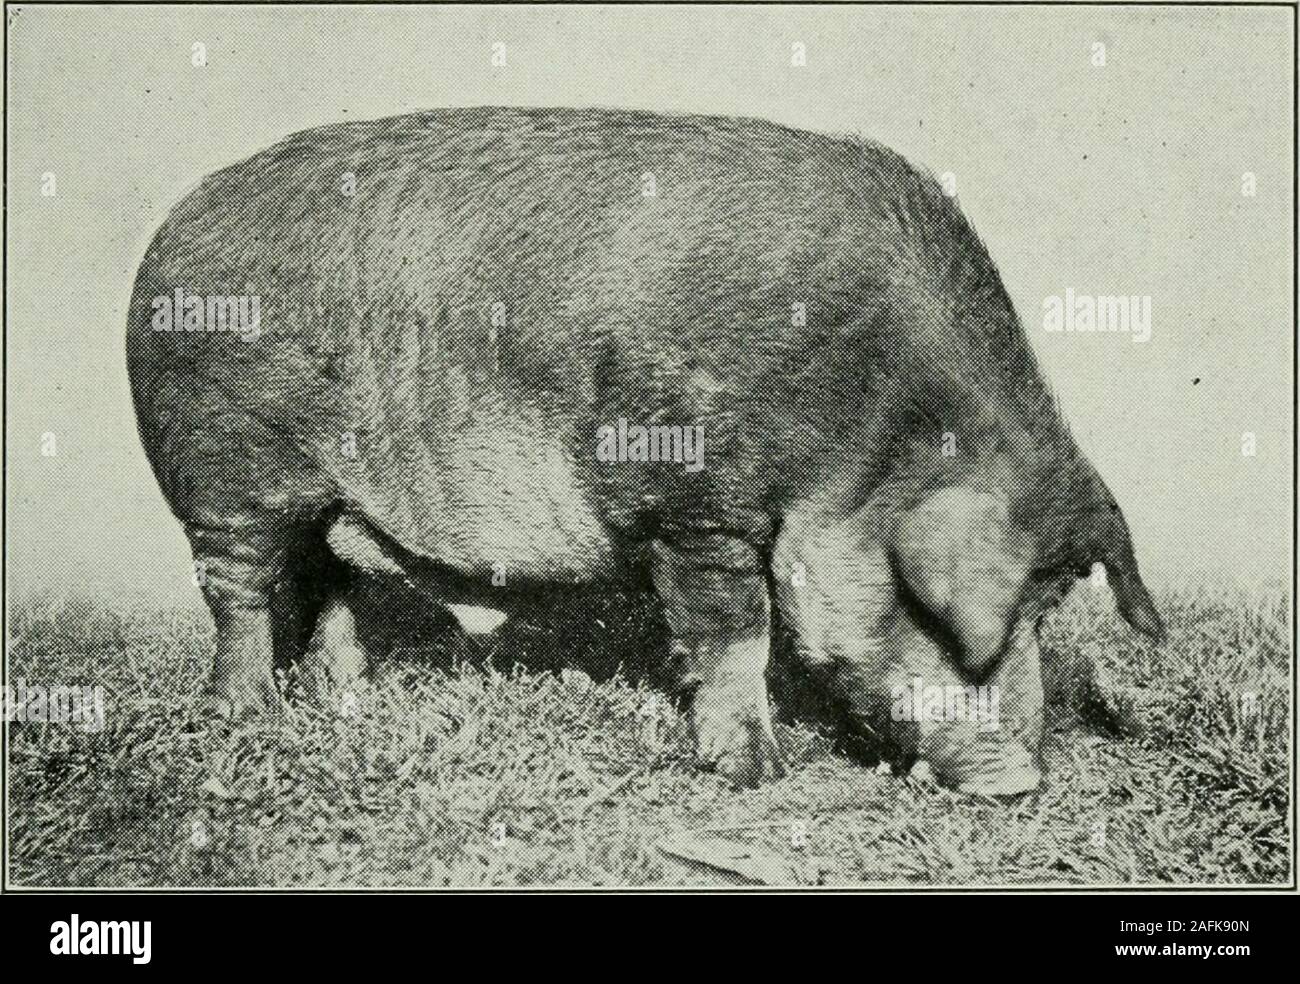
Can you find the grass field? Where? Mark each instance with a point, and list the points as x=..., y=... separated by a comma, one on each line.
x=1170, y=767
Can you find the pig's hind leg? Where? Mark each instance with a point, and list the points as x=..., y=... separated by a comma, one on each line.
x=249, y=502
x=335, y=659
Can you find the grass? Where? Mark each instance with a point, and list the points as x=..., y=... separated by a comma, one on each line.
x=480, y=773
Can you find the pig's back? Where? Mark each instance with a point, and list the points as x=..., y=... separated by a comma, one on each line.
x=534, y=274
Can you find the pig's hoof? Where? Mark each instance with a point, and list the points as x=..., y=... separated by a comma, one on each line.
x=740, y=747
x=235, y=703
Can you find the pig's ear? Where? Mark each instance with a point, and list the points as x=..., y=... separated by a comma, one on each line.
x=1113, y=547
x=958, y=554
x=1131, y=595
x=1134, y=601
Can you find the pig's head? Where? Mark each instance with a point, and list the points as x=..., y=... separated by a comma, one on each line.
x=925, y=613
x=977, y=570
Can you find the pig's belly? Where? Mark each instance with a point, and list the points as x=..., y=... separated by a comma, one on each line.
x=508, y=510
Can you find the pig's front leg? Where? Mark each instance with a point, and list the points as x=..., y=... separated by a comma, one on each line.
x=715, y=598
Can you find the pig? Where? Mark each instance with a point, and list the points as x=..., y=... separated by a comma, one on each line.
x=770, y=376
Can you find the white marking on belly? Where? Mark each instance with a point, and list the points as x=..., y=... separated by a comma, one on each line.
x=476, y=620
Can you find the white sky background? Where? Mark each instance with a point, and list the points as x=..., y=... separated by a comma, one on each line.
x=1117, y=180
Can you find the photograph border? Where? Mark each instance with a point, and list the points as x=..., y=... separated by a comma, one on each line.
x=1047, y=888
